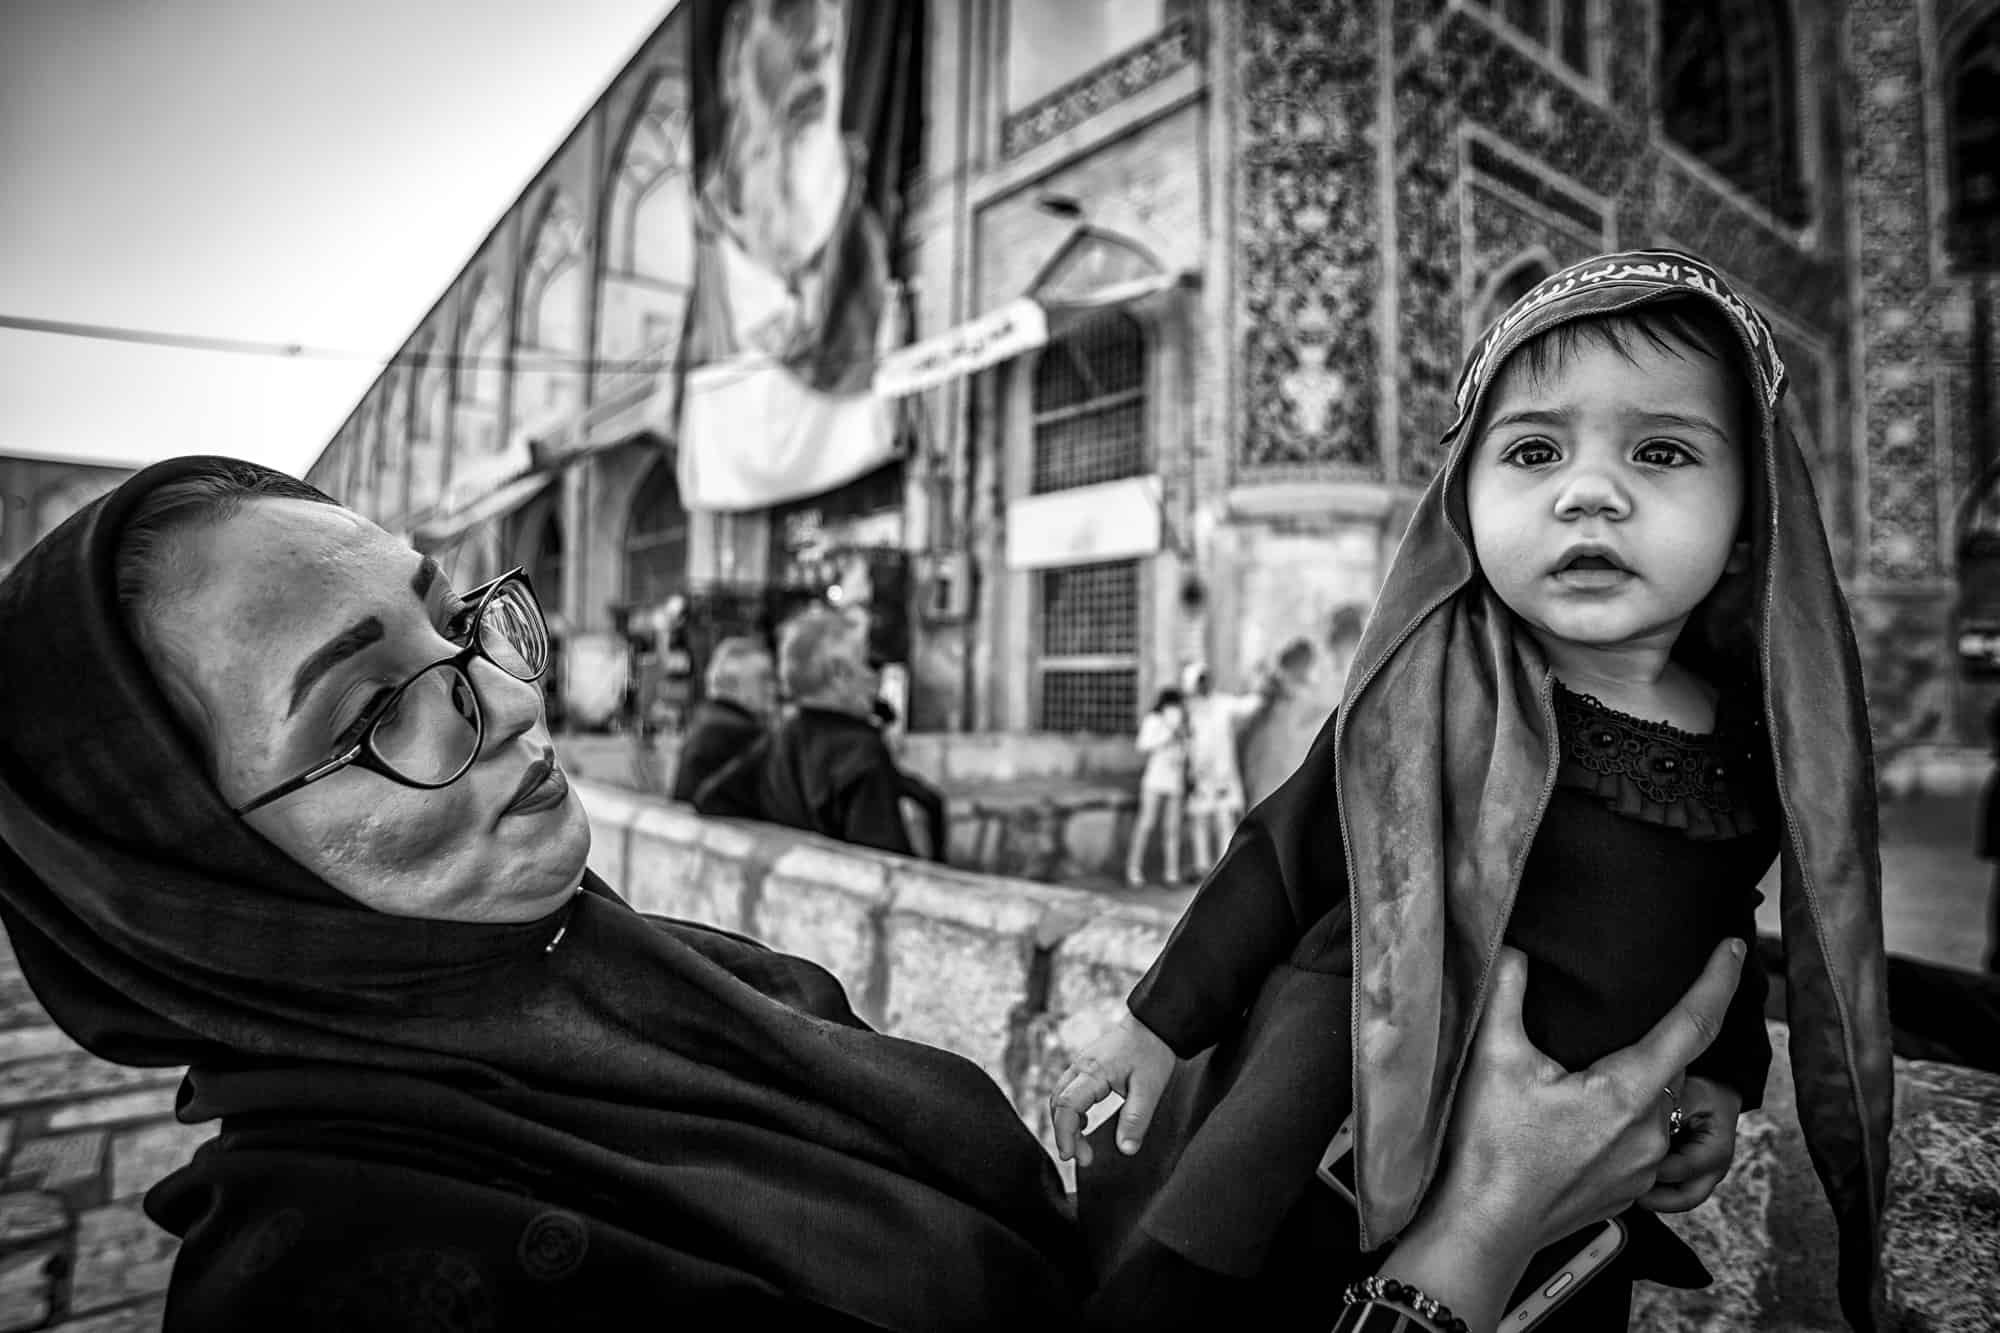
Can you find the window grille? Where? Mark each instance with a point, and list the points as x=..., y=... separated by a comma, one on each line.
x=1088, y=668
x=1089, y=405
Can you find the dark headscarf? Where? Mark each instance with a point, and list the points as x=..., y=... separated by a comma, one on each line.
x=159, y=929
x=1447, y=735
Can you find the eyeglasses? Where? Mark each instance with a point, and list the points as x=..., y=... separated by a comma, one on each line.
x=428, y=730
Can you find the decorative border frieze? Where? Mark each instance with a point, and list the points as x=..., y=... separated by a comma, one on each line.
x=1132, y=71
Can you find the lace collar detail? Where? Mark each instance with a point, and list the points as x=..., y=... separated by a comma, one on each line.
x=1654, y=771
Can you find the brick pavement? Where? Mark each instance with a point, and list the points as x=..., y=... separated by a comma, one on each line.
x=80, y=1142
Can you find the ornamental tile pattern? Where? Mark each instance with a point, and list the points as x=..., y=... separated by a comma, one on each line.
x=1174, y=47
x=1453, y=69
x=1307, y=238
x=1896, y=320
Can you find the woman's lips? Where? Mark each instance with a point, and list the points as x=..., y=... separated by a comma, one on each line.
x=541, y=793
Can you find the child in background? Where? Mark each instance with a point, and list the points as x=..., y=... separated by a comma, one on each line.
x=1610, y=675
x=1163, y=739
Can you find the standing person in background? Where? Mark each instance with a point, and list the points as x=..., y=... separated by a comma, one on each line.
x=1989, y=839
x=1279, y=741
x=1163, y=739
x=1215, y=801
x=741, y=703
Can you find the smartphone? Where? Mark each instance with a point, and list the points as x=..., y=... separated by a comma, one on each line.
x=1336, y=1164
x=1558, y=1272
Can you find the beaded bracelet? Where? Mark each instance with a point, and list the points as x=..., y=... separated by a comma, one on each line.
x=1403, y=1299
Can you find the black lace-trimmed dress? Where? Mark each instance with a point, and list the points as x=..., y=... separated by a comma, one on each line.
x=1648, y=856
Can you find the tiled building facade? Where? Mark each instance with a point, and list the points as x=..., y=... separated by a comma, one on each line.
x=1275, y=226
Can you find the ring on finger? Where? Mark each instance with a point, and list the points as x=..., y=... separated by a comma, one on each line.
x=1674, y=1118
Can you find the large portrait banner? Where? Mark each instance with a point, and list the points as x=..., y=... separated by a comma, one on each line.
x=806, y=117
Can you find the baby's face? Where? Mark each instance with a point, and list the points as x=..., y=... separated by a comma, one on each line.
x=1605, y=496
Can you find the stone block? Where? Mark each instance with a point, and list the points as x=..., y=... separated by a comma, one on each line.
x=27, y=1043
x=27, y=1215
x=119, y=1255
x=963, y=966
x=70, y=1076
x=1094, y=841
x=827, y=905
x=27, y=1288
x=139, y=1158
x=1095, y=968
x=150, y=1104
x=52, y=1163
x=145, y=1317
x=665, y=875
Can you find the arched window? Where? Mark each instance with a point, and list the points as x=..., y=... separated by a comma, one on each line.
x=1973, y=96
x=392, y=492
x=1515, y=281
x=552, y=291
x=545, y=561
x=552, y=281
x=482, y=347
x=649, y=226
x=430, y=425
x=1090, y=406
x=656, y=539
x=368, y=466
x=1090, y=413
x=1728, y=88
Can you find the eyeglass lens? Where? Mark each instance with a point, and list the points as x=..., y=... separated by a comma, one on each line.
x=431, y=734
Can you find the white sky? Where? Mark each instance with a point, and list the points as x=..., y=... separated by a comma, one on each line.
x=307, y=172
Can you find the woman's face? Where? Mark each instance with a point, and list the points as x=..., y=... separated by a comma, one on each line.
x=292, y=616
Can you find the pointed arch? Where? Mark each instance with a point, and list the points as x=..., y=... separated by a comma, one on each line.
x=648, y=222
x=656, y=537
x=482, y=345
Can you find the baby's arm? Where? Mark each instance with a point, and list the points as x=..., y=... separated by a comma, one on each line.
x=1284, y=869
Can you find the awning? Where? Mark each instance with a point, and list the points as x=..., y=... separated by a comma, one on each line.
x=1006, y=332
x=504, y=499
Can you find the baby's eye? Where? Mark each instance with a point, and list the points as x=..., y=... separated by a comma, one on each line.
x=1663, y=453
x=1531, y=453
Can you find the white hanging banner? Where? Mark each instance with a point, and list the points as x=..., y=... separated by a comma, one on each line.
x=996, y=336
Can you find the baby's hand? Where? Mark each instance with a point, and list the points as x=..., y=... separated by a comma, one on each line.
x=1129, y=1059
x=1701, y=1152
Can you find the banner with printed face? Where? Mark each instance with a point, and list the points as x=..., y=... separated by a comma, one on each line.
x=805, y=127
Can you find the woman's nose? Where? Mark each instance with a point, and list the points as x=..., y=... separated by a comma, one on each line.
x=511, y=705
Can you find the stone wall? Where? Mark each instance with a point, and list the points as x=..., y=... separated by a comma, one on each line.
x=1016, y=975
x=81, y=1142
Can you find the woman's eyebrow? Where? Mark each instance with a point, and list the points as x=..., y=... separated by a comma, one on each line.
x=330, y=654
x=354, y=638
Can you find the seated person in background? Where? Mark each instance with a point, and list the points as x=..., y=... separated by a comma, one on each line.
x=827, y=768
x=741, y=701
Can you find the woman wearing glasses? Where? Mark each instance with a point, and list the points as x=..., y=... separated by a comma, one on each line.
x=279, y=804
